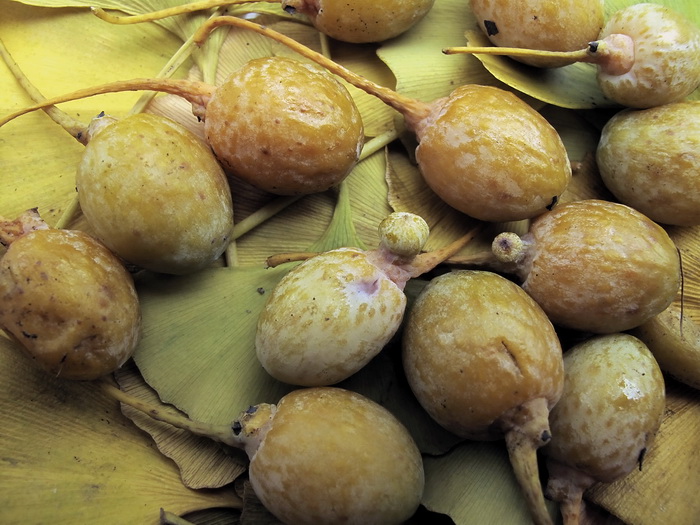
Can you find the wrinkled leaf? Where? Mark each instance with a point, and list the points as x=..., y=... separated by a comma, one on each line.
x=69, y=453
x=203, y=463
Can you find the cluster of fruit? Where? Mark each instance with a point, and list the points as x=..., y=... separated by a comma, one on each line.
x=479, y=346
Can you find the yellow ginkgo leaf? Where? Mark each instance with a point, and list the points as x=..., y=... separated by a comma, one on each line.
x=70, y=456
x=203, y=462
x=37, y=158
x=416, y=59
x=474, y=483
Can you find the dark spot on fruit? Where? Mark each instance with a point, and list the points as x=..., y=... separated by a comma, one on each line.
x=593, y=47
x=236, y=428
x=642, y=454
x=261, y=290
x=551, y=205
x=490, y=27
x=28, y=335
x=546, y=436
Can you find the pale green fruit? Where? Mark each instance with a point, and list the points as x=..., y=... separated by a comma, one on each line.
x=665, y=59
x=327, y=318
x=154, y=194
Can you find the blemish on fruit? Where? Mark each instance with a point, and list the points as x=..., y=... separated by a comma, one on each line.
x=490, y=27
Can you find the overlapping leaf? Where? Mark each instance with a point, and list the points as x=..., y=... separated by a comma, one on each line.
x=197, y=348
x=574, y=86
x=69, y=454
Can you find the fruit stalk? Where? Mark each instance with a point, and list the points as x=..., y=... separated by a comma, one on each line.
x=412, y=109
x=197, y=93
x=526, y=430
x=221, y=433
x=191, y=7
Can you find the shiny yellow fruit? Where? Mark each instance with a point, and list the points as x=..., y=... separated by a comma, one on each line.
x=599, y=266
x=328, y=455
x=650, y=160
x=490, y=155
x=154, y=194
x=548, y=25
x=475, y=346
x=69, y=302
x=285, y=126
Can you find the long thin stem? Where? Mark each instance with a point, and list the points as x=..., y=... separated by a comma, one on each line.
x=409, y=107
x=197, y=93
x=580, y=55
x=191, y=7
x=221, y=433
x=70, y=124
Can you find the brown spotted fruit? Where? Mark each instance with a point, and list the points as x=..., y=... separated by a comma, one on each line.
x=594, y=265
x=68, y=302
x=606, y=419
x=484, y=361
x=546, y=25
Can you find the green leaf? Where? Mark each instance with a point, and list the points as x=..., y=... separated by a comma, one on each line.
x=574, y=86
x=474, y=485
x=416, y=59
x=197, y=349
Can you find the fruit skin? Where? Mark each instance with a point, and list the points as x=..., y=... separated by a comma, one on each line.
x=362, y=21
x=69, y=302
x=475, y=347
x=285, y=126
x=490, y=155
x=599, y=266
x=154, y=194
x=666, y=56
x=327, y=318
x=549, y=25
x=650, y=160
x=333, y=456
x=611, y=408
